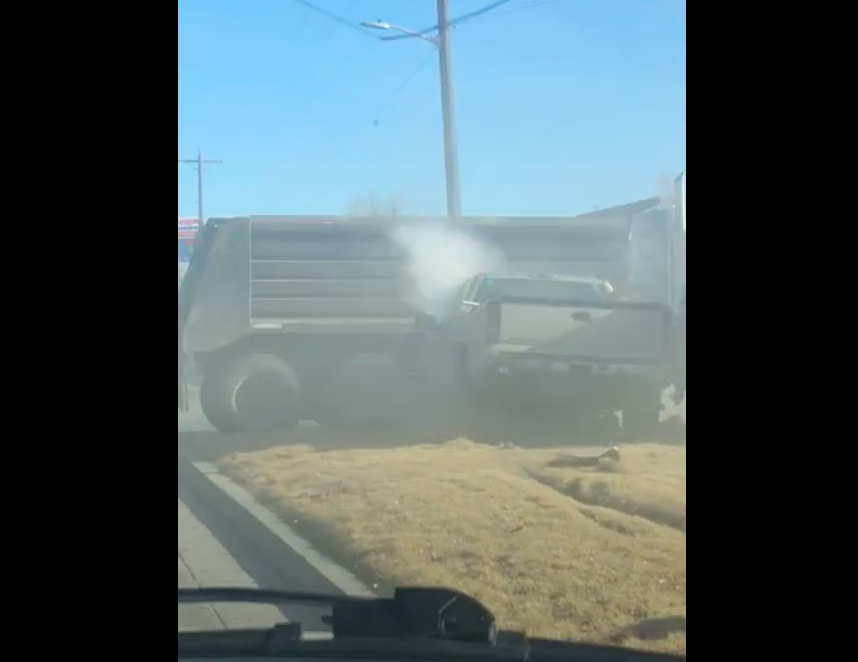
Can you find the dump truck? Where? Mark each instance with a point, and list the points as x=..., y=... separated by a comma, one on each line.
x=336, y=320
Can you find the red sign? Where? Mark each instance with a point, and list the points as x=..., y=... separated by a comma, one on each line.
x=188, y=228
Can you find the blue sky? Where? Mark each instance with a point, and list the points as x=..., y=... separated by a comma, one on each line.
x=563, y=105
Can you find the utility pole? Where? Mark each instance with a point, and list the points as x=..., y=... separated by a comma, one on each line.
x=199, y=164
x=448, y=99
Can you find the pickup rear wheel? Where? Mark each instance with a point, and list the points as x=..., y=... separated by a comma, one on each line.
x=254, y=393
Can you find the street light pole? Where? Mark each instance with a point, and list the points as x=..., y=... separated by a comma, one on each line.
x=448, y=101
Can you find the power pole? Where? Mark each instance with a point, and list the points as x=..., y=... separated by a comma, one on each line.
x=199, y=164
x=448, y=98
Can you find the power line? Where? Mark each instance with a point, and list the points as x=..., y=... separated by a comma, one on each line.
x=533, y=4
x=478, y=13
x=199, y=164
x=316, y=81
x=336, y=18
x=380, y=109
x=341, y=20
x=295, y=83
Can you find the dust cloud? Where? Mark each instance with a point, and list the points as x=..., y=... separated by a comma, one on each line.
x=441, y=260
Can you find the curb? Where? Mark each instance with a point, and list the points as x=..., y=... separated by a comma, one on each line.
x=231, y=499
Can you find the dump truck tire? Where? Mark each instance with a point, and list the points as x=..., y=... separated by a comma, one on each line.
x=216, y=413
x=369, y=392
x=257, y=393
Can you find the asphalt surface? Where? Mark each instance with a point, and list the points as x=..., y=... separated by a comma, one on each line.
x=222, y=544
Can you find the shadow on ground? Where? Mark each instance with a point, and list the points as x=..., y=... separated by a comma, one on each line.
x=655, y=629
x=197, y=439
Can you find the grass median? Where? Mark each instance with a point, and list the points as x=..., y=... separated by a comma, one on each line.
x=557, y=549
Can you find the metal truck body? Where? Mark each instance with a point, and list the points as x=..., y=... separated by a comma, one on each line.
x=658, y=255
x=658, y=267
x=320, y=318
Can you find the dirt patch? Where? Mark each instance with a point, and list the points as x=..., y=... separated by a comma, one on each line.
x=557, y=549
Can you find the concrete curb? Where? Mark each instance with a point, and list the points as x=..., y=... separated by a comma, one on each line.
x=232, y=500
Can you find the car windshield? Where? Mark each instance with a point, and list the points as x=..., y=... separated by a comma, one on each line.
x=355, y=412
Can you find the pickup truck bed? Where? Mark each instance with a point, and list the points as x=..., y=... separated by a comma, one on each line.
x=580, y=358
x=615, y=333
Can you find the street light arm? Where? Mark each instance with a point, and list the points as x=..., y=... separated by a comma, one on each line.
x=414, y=34
x=389, y=27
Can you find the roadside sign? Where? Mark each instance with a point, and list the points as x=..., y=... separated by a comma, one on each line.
x=188, y=228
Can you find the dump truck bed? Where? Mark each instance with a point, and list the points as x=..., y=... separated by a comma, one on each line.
x=337, y=275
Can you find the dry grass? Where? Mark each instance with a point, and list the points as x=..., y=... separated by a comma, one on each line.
x=594, y=554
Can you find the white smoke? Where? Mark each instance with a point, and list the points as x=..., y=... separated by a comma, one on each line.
x=441, y=259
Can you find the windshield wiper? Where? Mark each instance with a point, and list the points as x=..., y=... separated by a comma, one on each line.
x=415, y=624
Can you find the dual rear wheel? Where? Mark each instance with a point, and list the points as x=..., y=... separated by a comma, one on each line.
x=254, y=393
x=261, y=393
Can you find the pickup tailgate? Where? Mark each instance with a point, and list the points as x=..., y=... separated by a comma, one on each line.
x=616, y=333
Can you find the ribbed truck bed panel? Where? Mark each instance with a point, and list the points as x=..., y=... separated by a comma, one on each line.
x=268, y=270
x=325, y=289
x=325, y=273
x=361, y=307
x=359, y=270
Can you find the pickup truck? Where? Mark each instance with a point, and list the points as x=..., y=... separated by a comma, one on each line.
x=525, y=342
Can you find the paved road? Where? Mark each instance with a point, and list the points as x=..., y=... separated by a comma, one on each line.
x=203, y=561
x=221, y=544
